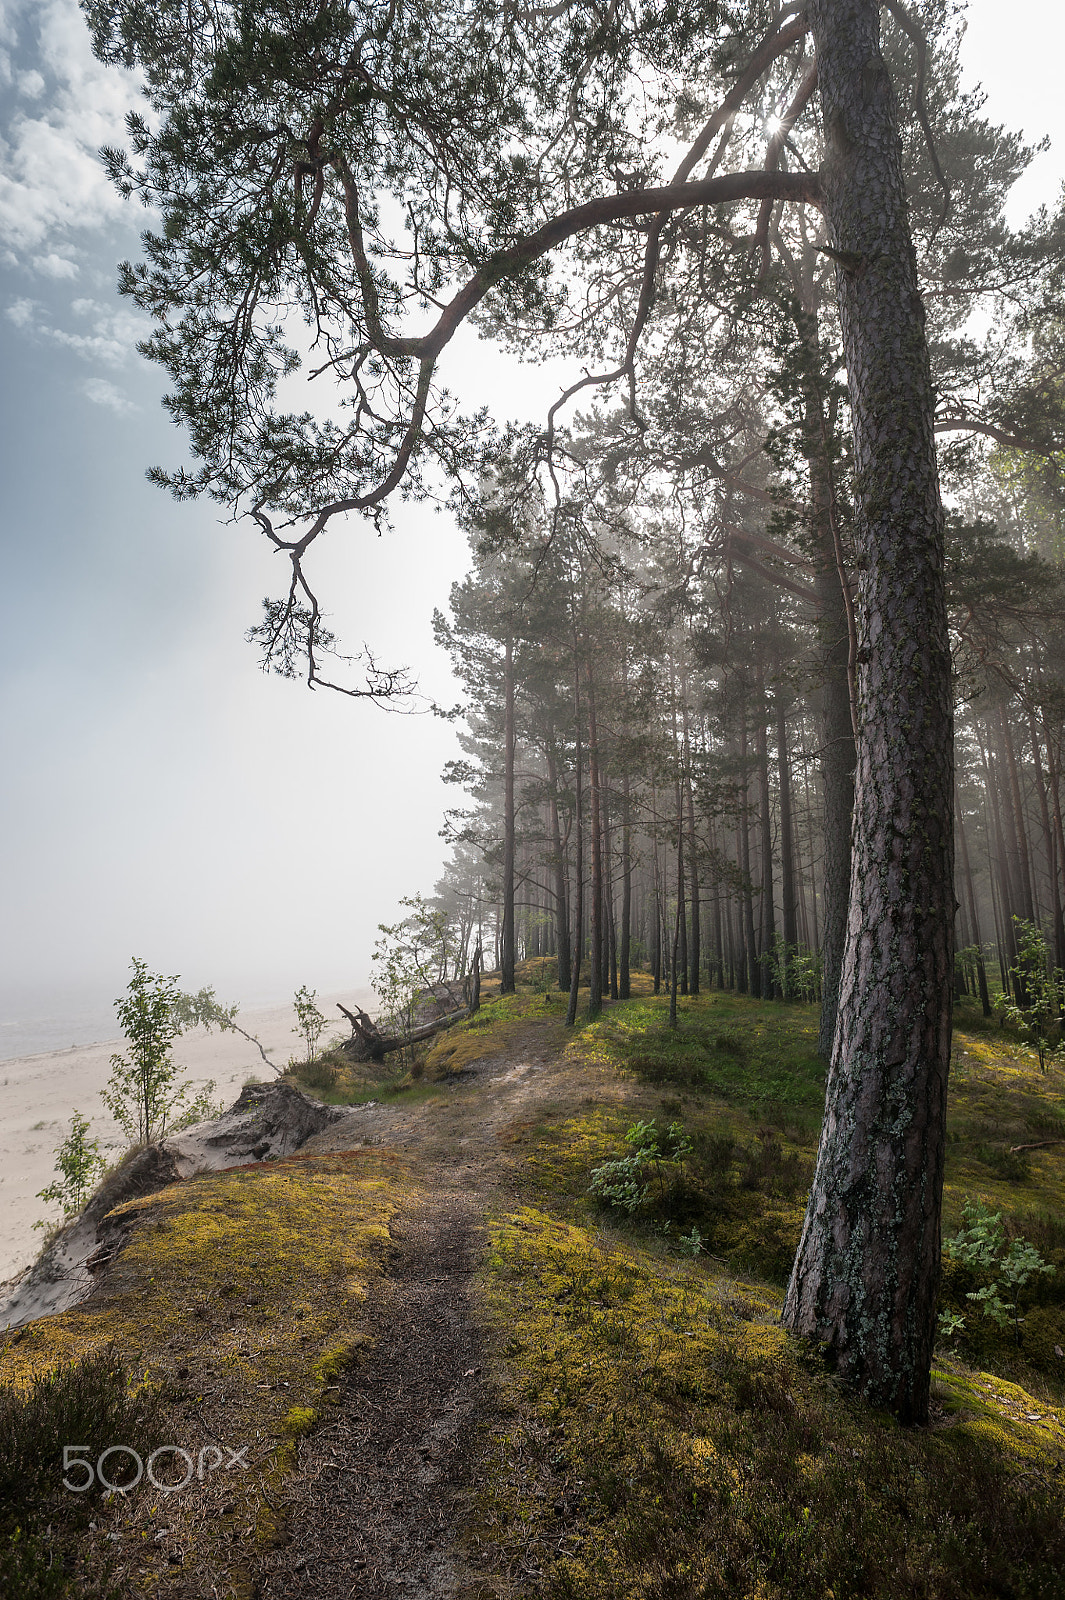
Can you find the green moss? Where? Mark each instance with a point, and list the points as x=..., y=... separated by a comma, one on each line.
x=498, y=1025
x=298, y=1421
x=237, y=1299
x=667, y=1438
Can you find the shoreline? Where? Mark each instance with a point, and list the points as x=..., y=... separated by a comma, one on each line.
x=40, y=1091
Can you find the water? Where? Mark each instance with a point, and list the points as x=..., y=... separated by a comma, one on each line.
x=34, y=1020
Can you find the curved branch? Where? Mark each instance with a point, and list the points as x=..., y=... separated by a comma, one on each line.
x=734, y=543
x=1012, y=441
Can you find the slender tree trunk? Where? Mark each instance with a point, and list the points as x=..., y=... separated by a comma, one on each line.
x=787, y=845
x=558, y=867
x=1025, y=875
x=677, y=926
x=577, y=949
x=475, y=988
x=719, y=949
x=768, y=930
x=694, y=948
x=1007, y=888
x=757, y=972
x=994, y=886
x=838, y=664
x=1050, y=844
x=1059, y=831
x=656, y=968
x=974, y=920
x=624, y=979
x=595, y=955
x=506, y=958
x=866, y=1275
x=611, y=954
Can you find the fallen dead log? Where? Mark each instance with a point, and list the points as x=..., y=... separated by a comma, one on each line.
x=367, y=1043
x=1041, y=1144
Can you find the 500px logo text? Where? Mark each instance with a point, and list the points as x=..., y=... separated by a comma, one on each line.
x=112, y=1467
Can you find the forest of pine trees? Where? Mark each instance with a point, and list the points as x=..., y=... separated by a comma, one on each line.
x=644, y=737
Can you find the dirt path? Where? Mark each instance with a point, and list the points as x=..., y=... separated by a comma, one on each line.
x=380, y=1491
x=378, y=1504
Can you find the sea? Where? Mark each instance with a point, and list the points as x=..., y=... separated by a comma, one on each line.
x=34, y=1020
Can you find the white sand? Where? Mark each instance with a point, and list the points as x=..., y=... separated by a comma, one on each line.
x=38, y=1094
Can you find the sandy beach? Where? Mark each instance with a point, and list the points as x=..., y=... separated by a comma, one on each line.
x=38, y=1093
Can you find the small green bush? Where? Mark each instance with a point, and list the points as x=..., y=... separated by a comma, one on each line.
x=85, y=1402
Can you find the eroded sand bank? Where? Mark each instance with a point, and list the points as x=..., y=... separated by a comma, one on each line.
x=38, y=1094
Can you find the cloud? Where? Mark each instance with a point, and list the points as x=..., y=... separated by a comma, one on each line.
x=22, y=313
x=51, y=180
x=111, y=338
x=55, y=266
x=103, y=393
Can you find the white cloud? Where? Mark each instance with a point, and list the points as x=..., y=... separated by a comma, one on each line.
x=51, y=183
x=22, y=313
x=111, y=338
x=55, y=266
x=102, y=393
x=30, y=84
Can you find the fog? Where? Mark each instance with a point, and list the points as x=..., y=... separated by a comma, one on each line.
x=160, y=795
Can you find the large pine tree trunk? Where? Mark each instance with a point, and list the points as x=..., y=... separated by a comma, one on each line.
x=867, y=1270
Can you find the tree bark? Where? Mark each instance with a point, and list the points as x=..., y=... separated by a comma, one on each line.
x=866, y=1274
x=1025, y=875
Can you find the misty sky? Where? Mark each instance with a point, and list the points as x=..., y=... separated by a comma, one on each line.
x=160, y=795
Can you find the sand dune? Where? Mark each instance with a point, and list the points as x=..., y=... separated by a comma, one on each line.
x=38, y=1094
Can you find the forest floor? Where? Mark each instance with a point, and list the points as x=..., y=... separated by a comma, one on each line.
x=449, y=1371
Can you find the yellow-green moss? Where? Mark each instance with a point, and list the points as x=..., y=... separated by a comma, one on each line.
x=667, y=1438
x=495, y=1028
x=239, y=1298
x=298, y=1421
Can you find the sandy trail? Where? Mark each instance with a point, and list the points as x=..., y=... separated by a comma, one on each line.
x=379, y=1503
